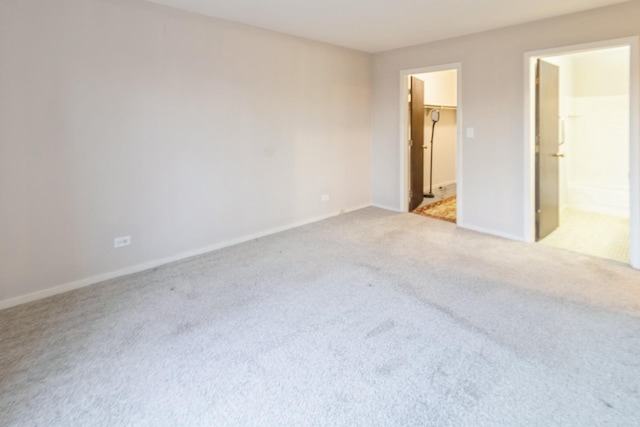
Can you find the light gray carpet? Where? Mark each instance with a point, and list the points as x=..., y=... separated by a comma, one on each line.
x=370, y=318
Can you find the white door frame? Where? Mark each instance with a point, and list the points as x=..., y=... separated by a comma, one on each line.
x=404, y=135
x=634, y=136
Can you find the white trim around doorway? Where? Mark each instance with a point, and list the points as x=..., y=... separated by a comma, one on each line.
x=404, y=137
x=634, y=136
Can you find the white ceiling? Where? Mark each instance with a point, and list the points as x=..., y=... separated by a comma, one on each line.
x=379, y=25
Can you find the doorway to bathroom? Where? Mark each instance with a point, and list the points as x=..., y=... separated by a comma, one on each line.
x=582, y=151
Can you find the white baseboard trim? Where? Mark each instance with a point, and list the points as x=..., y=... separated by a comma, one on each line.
x=23, y=299
x=441, y=184
x=386, y=208
x=492, y=232
x=353, y=209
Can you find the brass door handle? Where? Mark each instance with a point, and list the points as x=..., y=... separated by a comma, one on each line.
x=558, y=155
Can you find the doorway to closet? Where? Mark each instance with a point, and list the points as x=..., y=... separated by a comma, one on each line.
x=582, y=152
x=432, y=131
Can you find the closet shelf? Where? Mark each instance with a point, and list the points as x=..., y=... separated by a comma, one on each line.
x=440, y=107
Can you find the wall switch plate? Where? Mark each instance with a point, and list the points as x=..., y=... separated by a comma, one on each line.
x=119, y=242
x=325, y=197
x=471, y=133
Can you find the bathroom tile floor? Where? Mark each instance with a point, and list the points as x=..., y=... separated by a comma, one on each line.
x=590, y=233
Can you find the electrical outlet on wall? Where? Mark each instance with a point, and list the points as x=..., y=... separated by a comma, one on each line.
x=119, y=242
x=325, y=198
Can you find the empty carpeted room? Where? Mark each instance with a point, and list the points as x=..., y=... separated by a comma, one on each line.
x=205, y=215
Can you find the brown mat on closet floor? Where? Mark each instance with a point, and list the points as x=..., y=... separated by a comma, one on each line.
x=444, y=209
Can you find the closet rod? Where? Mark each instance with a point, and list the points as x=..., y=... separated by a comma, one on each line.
x=440, y=107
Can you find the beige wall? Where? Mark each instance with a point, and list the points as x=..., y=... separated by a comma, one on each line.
x=492, y=90
x=122, y=117
x=597, y=132
x=440, y=87
x=600, y=73
x=444, y=149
